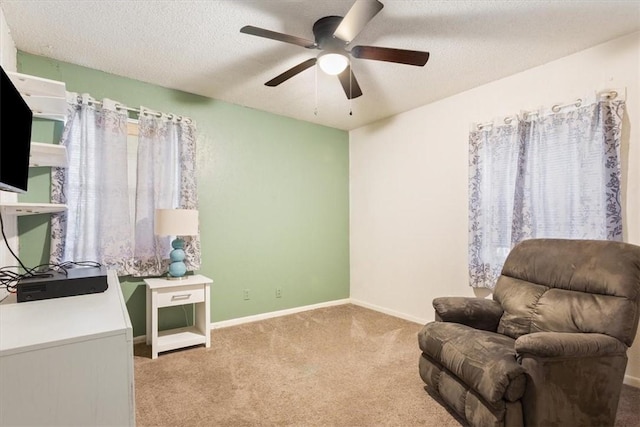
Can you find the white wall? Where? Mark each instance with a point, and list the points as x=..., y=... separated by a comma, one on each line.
x=408, y=177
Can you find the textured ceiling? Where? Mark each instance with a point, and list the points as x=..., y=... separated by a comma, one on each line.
x=196, y=46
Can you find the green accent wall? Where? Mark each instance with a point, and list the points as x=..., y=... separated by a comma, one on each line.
x=273, y=198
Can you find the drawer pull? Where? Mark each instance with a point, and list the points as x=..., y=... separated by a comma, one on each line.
x=180, y=297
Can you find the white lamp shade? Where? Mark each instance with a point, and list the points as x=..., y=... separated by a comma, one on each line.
x=176, y=222
x=332, y=63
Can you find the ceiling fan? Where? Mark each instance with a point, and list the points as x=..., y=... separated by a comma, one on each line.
x=332, y=35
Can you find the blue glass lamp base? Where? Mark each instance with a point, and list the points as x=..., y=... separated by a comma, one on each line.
x=177, y=268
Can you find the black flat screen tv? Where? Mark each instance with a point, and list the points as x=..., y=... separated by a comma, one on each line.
x=15, y=137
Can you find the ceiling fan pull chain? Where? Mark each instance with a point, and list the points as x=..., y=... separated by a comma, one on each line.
x=350, y=90
x=315, y=110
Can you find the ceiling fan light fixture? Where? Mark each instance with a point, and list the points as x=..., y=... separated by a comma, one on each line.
x=332, y=63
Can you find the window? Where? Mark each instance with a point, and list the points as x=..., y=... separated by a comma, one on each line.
x=553, y=174
x=115, y=181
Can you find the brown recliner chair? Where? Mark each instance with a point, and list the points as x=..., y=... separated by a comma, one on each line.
x=550, y=348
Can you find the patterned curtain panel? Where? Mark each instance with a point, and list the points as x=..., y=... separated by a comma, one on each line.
x=493, y=163
x=166, y=179
x=554, y=174
x=96, y=226
x=189, y=189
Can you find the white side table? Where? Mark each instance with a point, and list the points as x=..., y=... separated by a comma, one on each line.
x=167, y=293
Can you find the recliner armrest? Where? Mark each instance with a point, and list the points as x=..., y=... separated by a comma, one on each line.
x=568, y=344
x=478, y=313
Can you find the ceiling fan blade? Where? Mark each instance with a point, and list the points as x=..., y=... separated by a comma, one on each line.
x=349, y=83
x=291, y=72
x=261, y=32
x=357, y=18
x=400, y=56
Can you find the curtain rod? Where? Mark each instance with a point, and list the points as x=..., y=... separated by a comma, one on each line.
x=137, y=110
x=612, y=94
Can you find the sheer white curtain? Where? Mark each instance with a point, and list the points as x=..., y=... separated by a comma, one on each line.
x=96, y=225
x=554, y=173
x=165, y=180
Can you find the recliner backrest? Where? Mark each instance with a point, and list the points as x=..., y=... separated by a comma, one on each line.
x=560, y=285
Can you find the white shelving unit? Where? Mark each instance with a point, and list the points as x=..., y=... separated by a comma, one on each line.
x=53, y=155
x=47, y=99
x=40, y=155
x=20, y=209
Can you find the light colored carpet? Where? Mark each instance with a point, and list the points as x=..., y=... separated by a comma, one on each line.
x=336, y=366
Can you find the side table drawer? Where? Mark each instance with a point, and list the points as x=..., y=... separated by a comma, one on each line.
x=184, y=295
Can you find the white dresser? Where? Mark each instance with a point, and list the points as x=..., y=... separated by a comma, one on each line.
x=67, y=361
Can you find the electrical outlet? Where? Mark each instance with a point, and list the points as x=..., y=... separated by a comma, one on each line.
x=245, y=294
x=278, y=292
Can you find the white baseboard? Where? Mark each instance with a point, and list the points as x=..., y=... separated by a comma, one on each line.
x=389, y=312
x=632, y=381
x=140, y=339
x=263, y=316
x=272, y=314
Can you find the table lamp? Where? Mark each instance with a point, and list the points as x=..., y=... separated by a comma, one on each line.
x=176, y=222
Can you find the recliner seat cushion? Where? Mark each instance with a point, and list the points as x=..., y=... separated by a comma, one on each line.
x=484, y=361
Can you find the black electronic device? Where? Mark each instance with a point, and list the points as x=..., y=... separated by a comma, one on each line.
x=77, y=281
x=16, y=119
